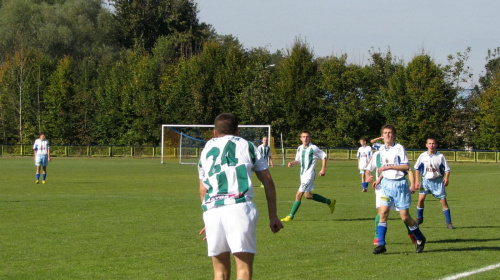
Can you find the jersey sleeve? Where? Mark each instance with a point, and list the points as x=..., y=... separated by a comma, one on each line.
x=319, y=153
x=419, y=165
x=444, y=167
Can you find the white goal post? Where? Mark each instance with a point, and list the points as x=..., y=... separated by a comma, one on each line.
x=185, y=141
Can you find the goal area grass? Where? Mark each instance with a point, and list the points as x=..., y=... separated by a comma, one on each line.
x=126, y=218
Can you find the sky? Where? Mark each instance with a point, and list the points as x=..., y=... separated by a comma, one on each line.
x=354, y=27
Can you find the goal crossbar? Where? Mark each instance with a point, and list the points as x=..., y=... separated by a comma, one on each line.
x=268, y=127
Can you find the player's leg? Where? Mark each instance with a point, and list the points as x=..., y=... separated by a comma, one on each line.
x=420, y=207
x=447, y=213
x=413, y=227
x=44, y=175
x=37, y=173
x=364, y=184
x=295, y=207
x=222, y=266
x=244, y=264
x=383, y=212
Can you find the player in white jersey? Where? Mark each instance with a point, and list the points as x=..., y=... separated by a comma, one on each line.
x=395, y=190
x=41, y=156
x=226, y=192
x=265, y=151
x=434, y=170
x=374, y=164
x=307, y=154
x=364, y=155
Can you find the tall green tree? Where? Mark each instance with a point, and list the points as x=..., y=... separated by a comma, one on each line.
x=297, y=95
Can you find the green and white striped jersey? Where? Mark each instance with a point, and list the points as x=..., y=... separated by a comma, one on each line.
x=307, y=158
x=265, y=151
x=225, y=168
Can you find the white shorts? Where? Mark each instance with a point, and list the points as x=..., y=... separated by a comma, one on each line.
x=231, y=228
x=306, y=185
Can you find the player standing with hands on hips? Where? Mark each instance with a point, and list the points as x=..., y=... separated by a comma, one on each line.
x=226, y=192
x=306, y=156
x=434, y=170
x=41, y=156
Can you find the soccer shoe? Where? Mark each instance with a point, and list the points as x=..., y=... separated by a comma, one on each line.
x=413, y=239
x=450, y=226
x=37, y=182
x=420, y=247
x=43, y=182
x=364, y=190
x=332, y=205
x=419, y=221
x=379, y=249
x=287, y=219
x=375, y=241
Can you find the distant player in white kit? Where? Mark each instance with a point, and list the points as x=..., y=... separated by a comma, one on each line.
x=226, y=192
x=265, y=151
x=433, y=171
x=41, y=156
x=364, y=155
x=306, y=156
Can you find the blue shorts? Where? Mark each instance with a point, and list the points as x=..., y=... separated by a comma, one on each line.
x=41, y=160
x=395, y=193
x=434, y=187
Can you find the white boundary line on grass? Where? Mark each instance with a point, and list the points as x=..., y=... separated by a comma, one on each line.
x=465, y=274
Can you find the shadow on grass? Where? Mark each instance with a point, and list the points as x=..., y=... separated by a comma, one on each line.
x=481, y=248
x=463, y=240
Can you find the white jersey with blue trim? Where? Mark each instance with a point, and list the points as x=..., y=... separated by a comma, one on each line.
x=364, y=154
x=225, y=168
x=307, y=157
x=393, y=156
x=432, y=166
x=41, y=146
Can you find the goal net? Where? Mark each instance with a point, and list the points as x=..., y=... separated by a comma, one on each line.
x=184, y=142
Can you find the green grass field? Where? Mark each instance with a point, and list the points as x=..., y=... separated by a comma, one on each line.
x=122, y=218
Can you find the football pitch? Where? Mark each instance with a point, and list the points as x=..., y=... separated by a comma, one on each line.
x=124, y=218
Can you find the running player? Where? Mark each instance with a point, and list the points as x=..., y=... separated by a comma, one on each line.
x=307, y=154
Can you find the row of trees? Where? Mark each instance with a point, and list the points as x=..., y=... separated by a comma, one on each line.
x=86, y=74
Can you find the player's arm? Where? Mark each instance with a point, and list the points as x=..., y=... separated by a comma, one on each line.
x=292, y=163
x=446, y=178
x=270, y=190
x=203, y=191
x=375, y=140
x=271, y=161
x=323, y=167
x=48, y=154
x=412, y=180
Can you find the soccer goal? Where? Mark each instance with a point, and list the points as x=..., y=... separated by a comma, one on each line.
x=185, y=142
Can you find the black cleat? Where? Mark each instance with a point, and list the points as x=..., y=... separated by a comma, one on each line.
x=450, y=226
x=420, y=245
x=379, y=249
x=419, y=221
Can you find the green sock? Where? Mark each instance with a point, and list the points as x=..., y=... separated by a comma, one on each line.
x=295, y=207
x=377, y=219
x=319, y=198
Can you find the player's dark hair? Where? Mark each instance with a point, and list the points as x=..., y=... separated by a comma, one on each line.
x=226, y=124
x=388, y=126
x=305, y=131
x=42, y=133
x=364, y=139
